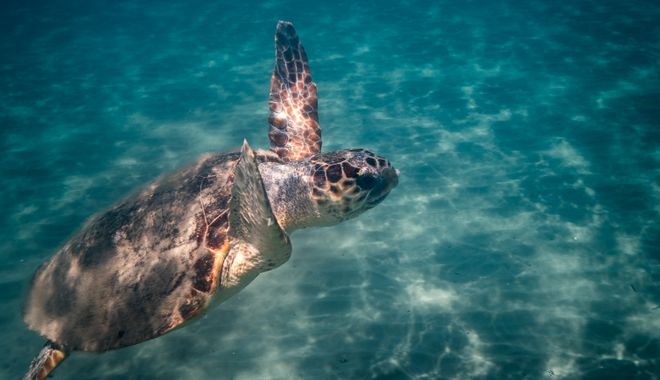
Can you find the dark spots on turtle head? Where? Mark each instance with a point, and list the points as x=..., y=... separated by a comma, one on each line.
x=331, y=157
x=349, y=170
x=203, y=268
x=334, y=189
x=336, y=211
x=319, y=177
x=348, y=183
x=371, y=162
x=366, y=182
x=334, y=173
x=317, y=193
x=382, y=163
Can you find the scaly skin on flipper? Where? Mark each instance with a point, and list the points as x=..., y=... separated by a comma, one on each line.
x=294, y=122
x=257, y=242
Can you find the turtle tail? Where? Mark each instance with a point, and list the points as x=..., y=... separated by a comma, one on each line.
x=50, y=356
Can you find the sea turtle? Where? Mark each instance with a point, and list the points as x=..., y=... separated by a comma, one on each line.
x=156, y=259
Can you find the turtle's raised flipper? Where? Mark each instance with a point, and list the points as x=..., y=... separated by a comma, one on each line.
x=294, y=121
x=257, y=242
x=50, y=356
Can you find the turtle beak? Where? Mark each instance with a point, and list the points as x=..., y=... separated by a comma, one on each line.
x=389, y=178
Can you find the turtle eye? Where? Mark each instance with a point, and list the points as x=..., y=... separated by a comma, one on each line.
x=366, y=181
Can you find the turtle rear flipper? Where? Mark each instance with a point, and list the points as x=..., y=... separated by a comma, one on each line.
x=257, y=242
x=43, y=364
x=294, y=122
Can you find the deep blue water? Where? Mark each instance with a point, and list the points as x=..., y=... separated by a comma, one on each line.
x=521, y=243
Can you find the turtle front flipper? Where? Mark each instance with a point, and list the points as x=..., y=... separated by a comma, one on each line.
x=49, y=357
x=257, y=243
x=294, y=122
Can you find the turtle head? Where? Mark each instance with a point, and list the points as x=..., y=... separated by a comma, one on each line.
x=327, y=188
x=346, y=183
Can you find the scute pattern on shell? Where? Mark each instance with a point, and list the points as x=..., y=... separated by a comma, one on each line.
x=141, y=268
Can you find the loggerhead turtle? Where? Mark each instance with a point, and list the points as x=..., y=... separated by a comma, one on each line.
x=157, y=258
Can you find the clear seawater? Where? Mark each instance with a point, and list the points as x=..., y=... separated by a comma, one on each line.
x=521, y=243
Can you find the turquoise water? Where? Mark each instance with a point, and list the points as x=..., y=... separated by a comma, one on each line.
x=521, y=243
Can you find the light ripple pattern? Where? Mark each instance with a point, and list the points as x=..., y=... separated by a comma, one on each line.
x=521, y=243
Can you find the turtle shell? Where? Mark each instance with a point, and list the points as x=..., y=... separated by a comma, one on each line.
x=141, y=268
